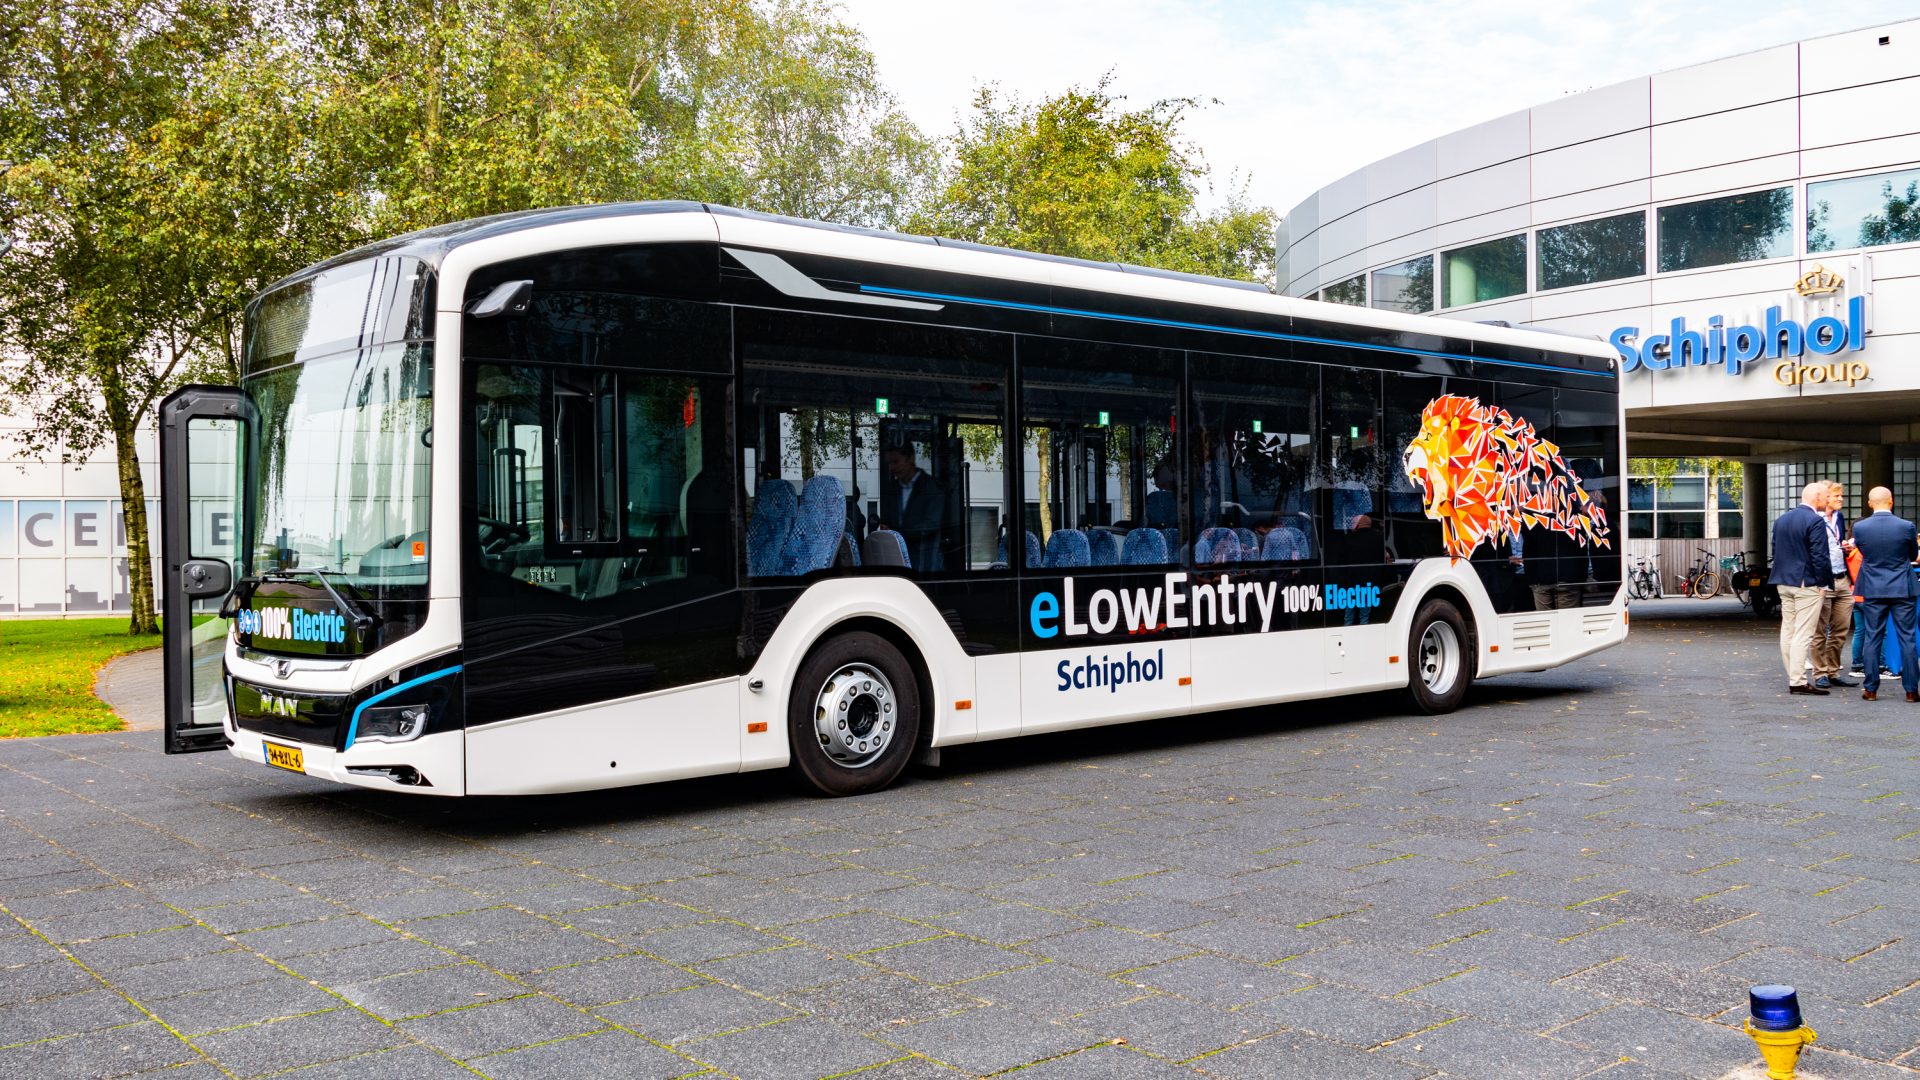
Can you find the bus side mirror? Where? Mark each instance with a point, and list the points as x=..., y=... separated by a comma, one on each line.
x=206, y=577
x=507, y=298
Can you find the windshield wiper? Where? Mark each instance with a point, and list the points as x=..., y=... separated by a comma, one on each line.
x=362, y=620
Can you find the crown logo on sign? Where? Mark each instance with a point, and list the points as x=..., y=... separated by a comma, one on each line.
x=1819, y=281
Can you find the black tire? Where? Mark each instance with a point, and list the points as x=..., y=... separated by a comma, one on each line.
x=854, y=717
x=1439, y=658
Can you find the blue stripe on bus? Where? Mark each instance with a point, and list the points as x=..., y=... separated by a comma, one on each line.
x=1048, y=309
x=354, y=727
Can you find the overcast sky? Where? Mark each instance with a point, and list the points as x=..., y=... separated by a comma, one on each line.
x=1310, y=91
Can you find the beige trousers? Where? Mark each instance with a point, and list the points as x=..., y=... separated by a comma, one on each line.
x=1833, y=632
x=1800, y=607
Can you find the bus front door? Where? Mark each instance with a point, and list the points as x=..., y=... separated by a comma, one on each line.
x=202, y=467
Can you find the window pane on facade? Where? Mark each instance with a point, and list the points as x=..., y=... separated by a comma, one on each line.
x=1731, y=229
x=1486, y=271
x=1864, y=211
x=1406, y=287
x=1352, y=291
x=1640, y=526
x=1588, y=251
x=1684, y=526
x=1684, y=493
x=1730, y=526
x=1639, y=494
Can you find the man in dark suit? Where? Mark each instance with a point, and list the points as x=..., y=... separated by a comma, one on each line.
x=1803, y=571
x=918, y=510
x=1887, y=554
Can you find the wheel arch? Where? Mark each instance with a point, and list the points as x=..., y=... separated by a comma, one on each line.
x=896, y=635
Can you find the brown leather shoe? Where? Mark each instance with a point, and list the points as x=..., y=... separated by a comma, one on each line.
x=1868, y=695
x=1913, y=697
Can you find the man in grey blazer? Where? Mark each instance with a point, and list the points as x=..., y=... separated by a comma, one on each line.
x=1888, y=550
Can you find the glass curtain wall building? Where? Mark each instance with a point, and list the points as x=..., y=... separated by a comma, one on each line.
x=1745, y=233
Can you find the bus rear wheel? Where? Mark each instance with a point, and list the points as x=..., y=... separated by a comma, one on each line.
x=1440, y=658
x=854, y=717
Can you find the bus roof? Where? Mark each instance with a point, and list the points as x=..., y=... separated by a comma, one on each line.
x=431, y=245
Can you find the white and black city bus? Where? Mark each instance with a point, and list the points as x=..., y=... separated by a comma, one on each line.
x=607, y=495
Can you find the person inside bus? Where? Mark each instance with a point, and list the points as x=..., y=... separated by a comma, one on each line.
x=1163, y=504
x=918, y=510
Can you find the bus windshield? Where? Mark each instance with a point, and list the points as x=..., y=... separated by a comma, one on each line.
x=343, y=464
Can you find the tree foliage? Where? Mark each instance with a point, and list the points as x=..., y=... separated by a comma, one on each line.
x=1080, y=175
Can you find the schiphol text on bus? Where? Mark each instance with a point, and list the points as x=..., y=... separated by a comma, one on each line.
x=1735, y=346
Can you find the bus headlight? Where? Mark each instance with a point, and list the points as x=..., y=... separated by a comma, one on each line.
x=396, y=723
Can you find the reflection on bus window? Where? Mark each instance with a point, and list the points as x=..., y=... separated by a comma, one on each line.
x=1252, y=450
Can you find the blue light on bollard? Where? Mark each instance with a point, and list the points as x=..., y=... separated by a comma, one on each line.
x=1775, y=1008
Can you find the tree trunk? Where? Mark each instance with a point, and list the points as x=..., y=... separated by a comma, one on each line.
x=1043, y=442
x=133, y=501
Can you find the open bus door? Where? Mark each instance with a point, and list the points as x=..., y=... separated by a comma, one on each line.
x=202, y=465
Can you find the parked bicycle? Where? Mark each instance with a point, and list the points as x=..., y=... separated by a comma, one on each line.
x=1703, y=580
x=1643, y=580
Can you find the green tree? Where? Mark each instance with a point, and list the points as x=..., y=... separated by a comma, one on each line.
x=134, y=234
x=1079, y=175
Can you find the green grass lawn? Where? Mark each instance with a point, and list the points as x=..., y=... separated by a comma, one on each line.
x=46, y=673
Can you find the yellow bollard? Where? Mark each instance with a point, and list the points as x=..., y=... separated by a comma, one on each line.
x=1781, y=1049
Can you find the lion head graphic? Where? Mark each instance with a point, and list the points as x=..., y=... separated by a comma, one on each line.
x=1485, y=474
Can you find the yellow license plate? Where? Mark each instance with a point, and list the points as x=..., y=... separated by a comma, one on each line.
x=285, y=757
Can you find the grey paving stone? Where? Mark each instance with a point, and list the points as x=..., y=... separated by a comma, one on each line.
x=606, y=1053
x=342, y=932
x=1373, y=968
x=497, y=1026
x=1174, y=1028
x=301, y=1040
x=629, y=921
x=109, y=954
x=776, y=971
x=859, y=932
x=707, y=941
x=215, y=1010
x=1052, y=991
x=1292, y=1054
x=261, y=914
x=1105, y=950
x=405, y=1063
x=989, y=1040
x=1107, y=1062
x=947, y=960
x=523, y=953
x=694, y=1013
x=873, y=1004
x=419, y=993
x=113, y=1052
x=54, y=978
x=618, y=978
x=1695, y=993
x=798, y=1049
x=474, y=927
x=1513, y=1000
x=1009, y=924
x=361, y=962
x=1352, y=1016
x=1662, y=1039
x=70, y=1014
x=1217, y=980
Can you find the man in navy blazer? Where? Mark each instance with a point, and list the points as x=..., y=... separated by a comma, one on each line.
x=1803, y=571
x=1888, y=549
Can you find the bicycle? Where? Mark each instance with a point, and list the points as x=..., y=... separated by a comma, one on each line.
x=1643, y=581
x=1702, y=581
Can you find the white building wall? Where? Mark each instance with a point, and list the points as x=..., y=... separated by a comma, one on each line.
x=63, y=547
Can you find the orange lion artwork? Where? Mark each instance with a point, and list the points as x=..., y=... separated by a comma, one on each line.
x=1485, y=474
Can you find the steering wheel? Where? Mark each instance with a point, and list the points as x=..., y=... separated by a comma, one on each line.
x=501, y=534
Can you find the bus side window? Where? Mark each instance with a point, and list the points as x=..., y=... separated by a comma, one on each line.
x=1253, y=452
x=1102, y=464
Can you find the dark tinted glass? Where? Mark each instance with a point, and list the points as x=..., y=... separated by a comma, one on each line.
x=1352, y=291
x=1730, y=229
x=1485, y=271
x=1588, y=251
x=1864, y=211
x=1352, y=469
x=1252, y=452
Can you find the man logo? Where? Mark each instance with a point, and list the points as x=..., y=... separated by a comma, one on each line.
x=283, y=668
x=279, y=705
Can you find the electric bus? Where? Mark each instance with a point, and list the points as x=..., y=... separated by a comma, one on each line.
x=606, y=495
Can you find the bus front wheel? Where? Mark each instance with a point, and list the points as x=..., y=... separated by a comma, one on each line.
x=1442, y=662
x=854, y=717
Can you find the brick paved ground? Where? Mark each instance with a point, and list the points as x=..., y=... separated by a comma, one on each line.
x=1578, y=875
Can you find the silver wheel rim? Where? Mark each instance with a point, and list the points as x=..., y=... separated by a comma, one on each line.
x=856, y=715
x=1439, y=657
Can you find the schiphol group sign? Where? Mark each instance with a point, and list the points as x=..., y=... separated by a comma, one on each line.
x=1792, y=346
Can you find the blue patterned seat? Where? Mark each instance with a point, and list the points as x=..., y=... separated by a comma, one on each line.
x=1103, y=548
x=1144, y=547
x=884, y=547
x=1286, y=544
x=1034, y=550
x=848, y=553
x=1249, y=544
x=1172, y=535
x=1216, y=546
x=818, y=525
x=1067, y=547
x=774, y=508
